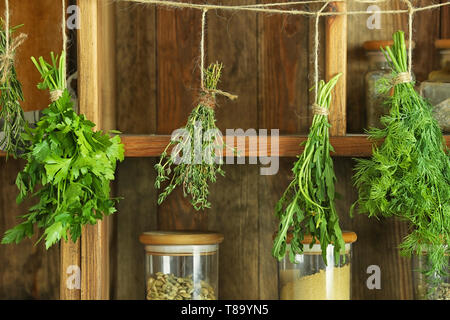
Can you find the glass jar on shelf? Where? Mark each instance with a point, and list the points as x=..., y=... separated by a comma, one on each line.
x=426, y=287
x=437, y=88
x=181, y=265
x=309, y=278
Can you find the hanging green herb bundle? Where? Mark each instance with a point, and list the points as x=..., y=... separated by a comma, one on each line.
x=408, y=176
x=69, y=167
x=307, y=206
x=12, y=120
x=195, y=160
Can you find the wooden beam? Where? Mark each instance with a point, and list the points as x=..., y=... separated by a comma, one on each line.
x=336, y=62
x=94, y=239
x=289, y=146
x=70, y=260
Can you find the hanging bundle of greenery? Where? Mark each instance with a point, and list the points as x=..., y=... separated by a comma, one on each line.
x=307, y=206
x=408, y=176
x=12, y=119
x=197, y=148
x=69, y=166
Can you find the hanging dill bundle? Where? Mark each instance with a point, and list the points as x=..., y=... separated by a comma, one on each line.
x=408, y=176
x=12, y=119
x=196, y=157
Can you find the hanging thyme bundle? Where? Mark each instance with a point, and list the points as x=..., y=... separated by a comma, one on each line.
x=408, y=176
x=197, y=148
x=12, y=120
x=307, y=206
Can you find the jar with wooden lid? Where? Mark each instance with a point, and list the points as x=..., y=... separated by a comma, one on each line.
x=429, y=287
x=437, y=88
x=181, y=265
x=378, y=68
x=309, y=278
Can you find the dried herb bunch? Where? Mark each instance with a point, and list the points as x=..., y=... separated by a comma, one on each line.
x=408, y=176
x=12, y=117
x=307, y=206
x=69, y=167
x=196, y=157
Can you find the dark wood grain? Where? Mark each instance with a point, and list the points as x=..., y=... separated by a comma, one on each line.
x=232, y=40
x=283, y=73
x=26, y=271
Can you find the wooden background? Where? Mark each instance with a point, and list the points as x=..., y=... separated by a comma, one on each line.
x=267, y=63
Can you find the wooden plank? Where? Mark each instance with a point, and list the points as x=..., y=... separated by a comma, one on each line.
x=137, y=211
x=235, y=213
x=27, y=271
x=94, y=241
x=336, y=62
x=178, y=79
x=70, y=264
x=289, y=146
x=283, y=77
x=44, y=36
x=445, y=21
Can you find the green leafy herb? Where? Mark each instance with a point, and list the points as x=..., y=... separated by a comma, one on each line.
x=196, y=151
x=408, y=176
x=11, y=113
x=307, y=206
x=69, y=167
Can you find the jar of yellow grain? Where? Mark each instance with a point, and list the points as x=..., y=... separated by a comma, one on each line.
x=310, y=278
x=181, y=265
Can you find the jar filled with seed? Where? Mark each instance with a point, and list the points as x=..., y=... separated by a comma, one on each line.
x=437, y=88
x=181, y=265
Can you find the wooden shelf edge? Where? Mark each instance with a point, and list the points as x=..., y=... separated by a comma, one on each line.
x=289, y=146
x=141, y=146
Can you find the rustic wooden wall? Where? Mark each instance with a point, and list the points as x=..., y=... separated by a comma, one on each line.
x=267, y=64
x=28, y=271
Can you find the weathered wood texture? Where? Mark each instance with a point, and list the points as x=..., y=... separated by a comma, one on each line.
x=266, y=57
x=28, y=271
x=42, y=24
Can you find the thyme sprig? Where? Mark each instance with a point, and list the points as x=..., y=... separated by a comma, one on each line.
x=196, y=157
x=12, y=117
x=307, y=206
x=408, y=176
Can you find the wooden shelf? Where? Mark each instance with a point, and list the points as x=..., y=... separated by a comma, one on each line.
x=289, y=146
x=347, y=146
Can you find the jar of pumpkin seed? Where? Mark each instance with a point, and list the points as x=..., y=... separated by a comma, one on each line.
x=437, y=88
x=181, y=265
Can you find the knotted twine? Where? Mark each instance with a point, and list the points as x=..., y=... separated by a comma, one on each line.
x=208, y=96
x=7, y=58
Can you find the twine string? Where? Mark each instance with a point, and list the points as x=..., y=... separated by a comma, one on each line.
x=55, y=95
x=64, y=34
x=202, y=50
x=316, y=49
x=403, y=77
x=319, y=110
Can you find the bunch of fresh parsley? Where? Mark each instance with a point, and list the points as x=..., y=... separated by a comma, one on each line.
x=69, y=167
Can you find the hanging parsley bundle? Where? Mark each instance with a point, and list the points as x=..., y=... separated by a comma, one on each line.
x=197, y=148
x=69, y=167
x=408, y=176
x=307, y=206
x=12, y=120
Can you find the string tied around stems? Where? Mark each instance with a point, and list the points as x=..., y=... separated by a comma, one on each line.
x=402, y=77
x=319, y=110
x=55, y=95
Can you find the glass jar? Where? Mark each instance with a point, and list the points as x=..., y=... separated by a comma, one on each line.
x=181, y=265
x=437, y=88
x=378, y=68
x=309, y=278
x=429, y=288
